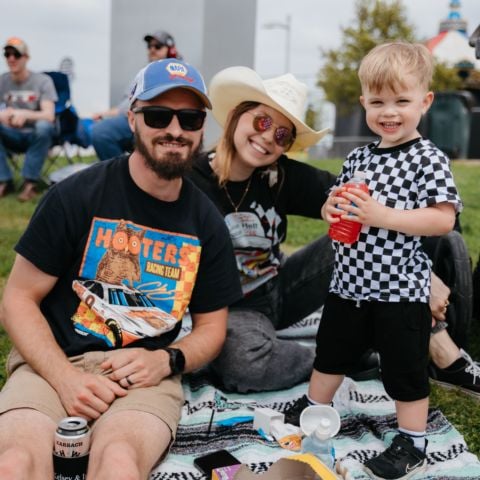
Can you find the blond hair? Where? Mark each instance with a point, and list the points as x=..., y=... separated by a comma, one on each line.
x=386, y=65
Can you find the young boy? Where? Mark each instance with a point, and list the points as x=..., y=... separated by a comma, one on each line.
x=380, y=286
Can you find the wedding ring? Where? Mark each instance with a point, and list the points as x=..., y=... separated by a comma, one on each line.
x=128, y=380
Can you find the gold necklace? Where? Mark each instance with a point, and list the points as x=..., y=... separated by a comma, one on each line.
x=247, y=188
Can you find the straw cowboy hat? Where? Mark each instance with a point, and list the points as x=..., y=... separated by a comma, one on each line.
x=235, y=85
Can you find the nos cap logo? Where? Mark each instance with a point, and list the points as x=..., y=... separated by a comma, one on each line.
x=177, y=70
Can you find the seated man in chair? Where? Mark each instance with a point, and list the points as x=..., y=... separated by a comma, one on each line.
x=27, y=114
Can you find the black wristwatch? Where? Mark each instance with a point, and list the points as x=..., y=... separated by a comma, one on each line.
x=177, y=360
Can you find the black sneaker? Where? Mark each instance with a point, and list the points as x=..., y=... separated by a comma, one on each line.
x=292, y=414
x=399, y=461
x=464, y=374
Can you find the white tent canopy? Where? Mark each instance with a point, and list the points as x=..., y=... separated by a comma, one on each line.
x=452, y=48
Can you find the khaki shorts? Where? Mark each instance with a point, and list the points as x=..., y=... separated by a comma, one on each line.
x=26, y=389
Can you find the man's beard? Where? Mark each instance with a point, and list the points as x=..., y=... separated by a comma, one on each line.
x=171, y=165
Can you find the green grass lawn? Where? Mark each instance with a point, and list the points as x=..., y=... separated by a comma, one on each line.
x=461, y=410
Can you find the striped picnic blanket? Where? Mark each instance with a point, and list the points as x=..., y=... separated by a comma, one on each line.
x=368, y=424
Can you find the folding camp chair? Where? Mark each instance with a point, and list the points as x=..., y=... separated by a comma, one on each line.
x=69, y=129
x=67, y=124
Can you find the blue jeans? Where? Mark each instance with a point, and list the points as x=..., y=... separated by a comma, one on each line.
x=35, y=141
x=112, y=137
x=253, y=358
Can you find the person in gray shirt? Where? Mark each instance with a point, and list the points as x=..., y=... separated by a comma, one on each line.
x=27, y=114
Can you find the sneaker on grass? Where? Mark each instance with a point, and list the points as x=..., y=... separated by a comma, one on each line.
x=463, y=374
x=401, y=460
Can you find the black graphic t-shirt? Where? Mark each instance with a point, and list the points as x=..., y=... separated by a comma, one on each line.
x=259, y=225
x=128, y=265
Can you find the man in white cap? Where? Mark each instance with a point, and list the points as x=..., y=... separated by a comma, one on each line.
x=27, y=113
x=111, y=135
x=129, y=229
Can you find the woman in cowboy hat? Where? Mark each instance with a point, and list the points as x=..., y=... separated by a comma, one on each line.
x=255, y=186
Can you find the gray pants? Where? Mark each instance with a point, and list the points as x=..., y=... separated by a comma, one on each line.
x=253, y=357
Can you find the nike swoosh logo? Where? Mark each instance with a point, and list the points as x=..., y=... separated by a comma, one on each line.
x=409, y=468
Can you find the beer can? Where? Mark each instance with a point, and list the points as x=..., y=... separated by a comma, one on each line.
x=72, y=438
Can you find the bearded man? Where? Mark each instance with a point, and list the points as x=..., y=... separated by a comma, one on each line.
x=134, y=239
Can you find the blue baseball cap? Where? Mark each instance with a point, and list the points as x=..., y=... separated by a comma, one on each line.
x=162, y=75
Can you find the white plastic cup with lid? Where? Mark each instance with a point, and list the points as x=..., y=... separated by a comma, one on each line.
x=322, y=419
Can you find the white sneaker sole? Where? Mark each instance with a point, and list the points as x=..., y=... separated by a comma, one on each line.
x=419, y=469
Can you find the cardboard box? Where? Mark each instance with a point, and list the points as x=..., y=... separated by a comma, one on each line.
x=296, y=467
x=225, y=473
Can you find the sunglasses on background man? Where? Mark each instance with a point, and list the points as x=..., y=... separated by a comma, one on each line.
x=155, y=45
x=14, y=53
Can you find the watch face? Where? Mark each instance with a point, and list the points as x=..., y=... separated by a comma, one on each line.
x=177, y=360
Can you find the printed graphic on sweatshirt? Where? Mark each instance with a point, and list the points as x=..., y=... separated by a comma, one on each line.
x=253, y=236
x=134, y=281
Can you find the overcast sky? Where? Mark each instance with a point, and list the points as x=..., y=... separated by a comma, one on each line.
x=80, y=29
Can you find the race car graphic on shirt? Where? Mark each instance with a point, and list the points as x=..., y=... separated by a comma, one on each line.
x=253, y=237
x=134, y=281
x=127, y=314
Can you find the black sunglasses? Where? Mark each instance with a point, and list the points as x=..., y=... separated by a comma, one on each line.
x=160, y=117
x=9, y=53
x=156, y=46
x=283, y=136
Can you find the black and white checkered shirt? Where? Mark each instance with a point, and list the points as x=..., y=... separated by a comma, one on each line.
x=385, y=265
